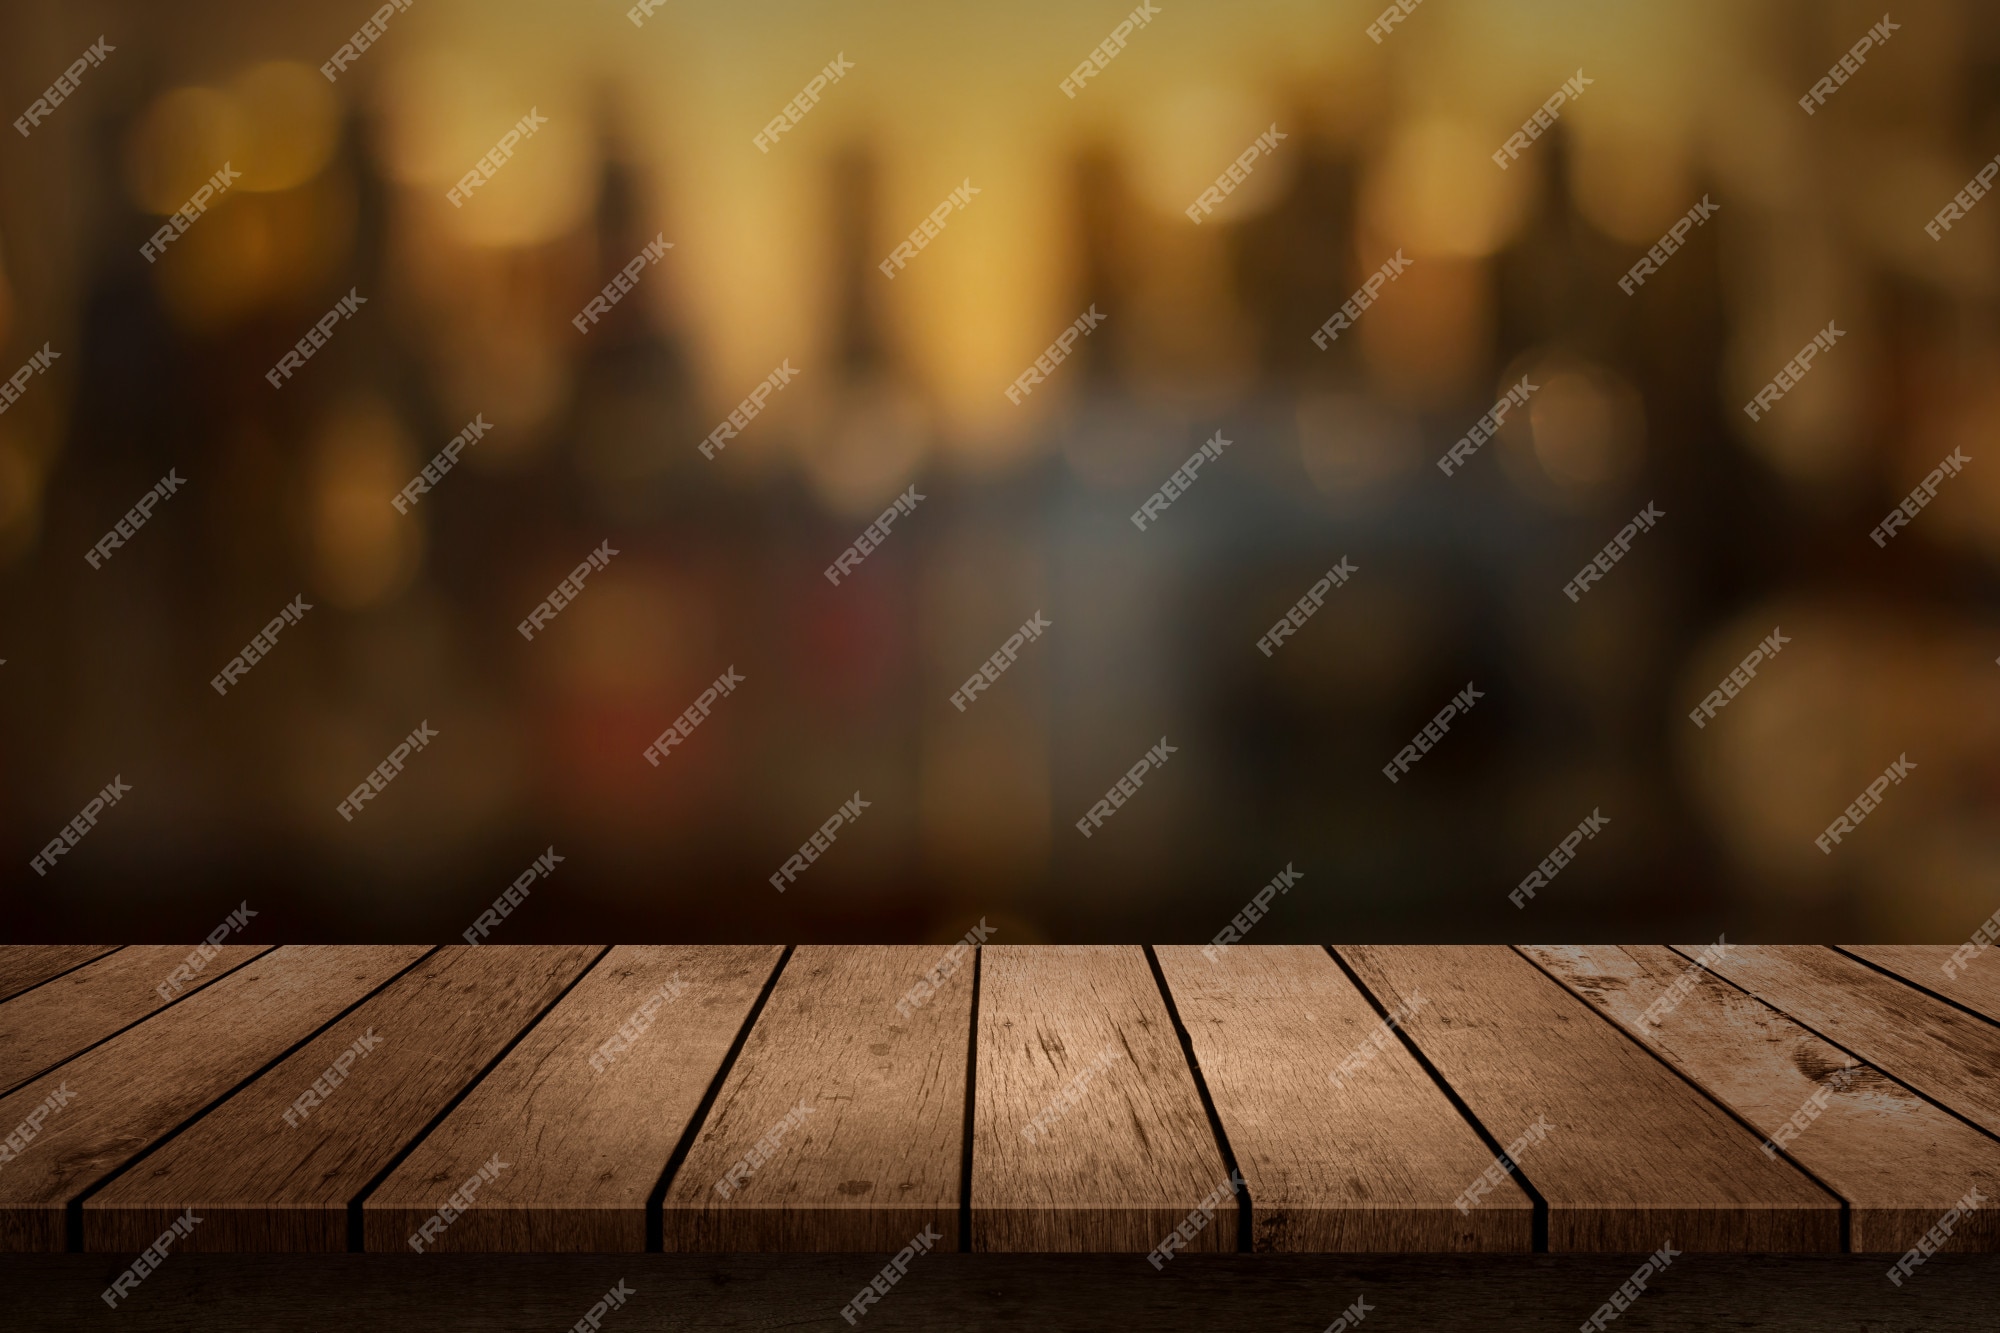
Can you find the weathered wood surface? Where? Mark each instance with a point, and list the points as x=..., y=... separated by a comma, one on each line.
x=1627, y=1155
x=1897, y=1160
x=123, y=1097
x=842, y=1125
x=1089, y=1133
x=273, y=1168
x=1944, y=1053
x=1953, y=971
x=585, y=1112
x=1066, y=1100
x=1345, y=1142
x=76, y=1010
x=25, y=965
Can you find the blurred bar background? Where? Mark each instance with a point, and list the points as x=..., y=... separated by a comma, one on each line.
x=1026, y=507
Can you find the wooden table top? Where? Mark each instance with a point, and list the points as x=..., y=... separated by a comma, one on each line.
x=1763, y=1099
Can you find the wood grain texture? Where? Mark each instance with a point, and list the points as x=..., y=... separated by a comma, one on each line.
x=260, y=1181
x=877, y=1154
x=1636, y=1157
x=183, y=1104
x=26, y=965
x=127, y=1093
x=1946, y=1054
x=1369, y=1164
x=1134, y=1152
x=77, y=1010
x=1974, y=982
x=1899, y=1161
x=584, y=1145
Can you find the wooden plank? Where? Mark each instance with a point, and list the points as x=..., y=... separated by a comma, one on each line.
x=25, y=965
x=1635, y=1157
x=124, y=1095
x=77, y=1010
x=873, y=1104
x=275, y=1166
x=1899, y=1161
x=1944, y=1053
x=585, y=1128
x=1368, y=1163
x=1084, y=1028
x=1973, y=982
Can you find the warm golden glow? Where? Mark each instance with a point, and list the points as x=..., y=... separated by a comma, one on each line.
x=289, y=122
x=362, y=551
x=1436, y=192
x=179, y=142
